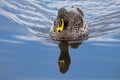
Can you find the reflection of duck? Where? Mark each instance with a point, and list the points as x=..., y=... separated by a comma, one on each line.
x=69, y=25
x=64, y=58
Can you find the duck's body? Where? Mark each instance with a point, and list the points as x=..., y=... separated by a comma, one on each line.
x=69, y=25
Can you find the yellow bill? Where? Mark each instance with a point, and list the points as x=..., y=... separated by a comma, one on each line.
x=60, y=25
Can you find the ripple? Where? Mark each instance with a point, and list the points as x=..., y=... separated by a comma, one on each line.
x=37, y=16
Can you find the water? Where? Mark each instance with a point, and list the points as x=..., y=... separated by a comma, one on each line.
x=28, y=53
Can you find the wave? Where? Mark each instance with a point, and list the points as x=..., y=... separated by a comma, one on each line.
x=37, y=16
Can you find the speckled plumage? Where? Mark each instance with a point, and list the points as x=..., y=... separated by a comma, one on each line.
x=75, y=26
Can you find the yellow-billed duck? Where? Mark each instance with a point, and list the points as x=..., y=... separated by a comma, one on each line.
x=69, y=25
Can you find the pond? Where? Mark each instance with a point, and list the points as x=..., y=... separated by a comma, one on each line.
x=28, y=53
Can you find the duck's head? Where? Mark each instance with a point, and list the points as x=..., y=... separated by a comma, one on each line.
x=62, y=20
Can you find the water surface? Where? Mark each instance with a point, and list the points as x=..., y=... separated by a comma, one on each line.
x=28, y=53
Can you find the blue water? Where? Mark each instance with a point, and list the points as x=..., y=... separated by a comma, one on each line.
x=28, y=53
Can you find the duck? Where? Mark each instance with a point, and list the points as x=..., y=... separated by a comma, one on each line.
x=69, y=25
